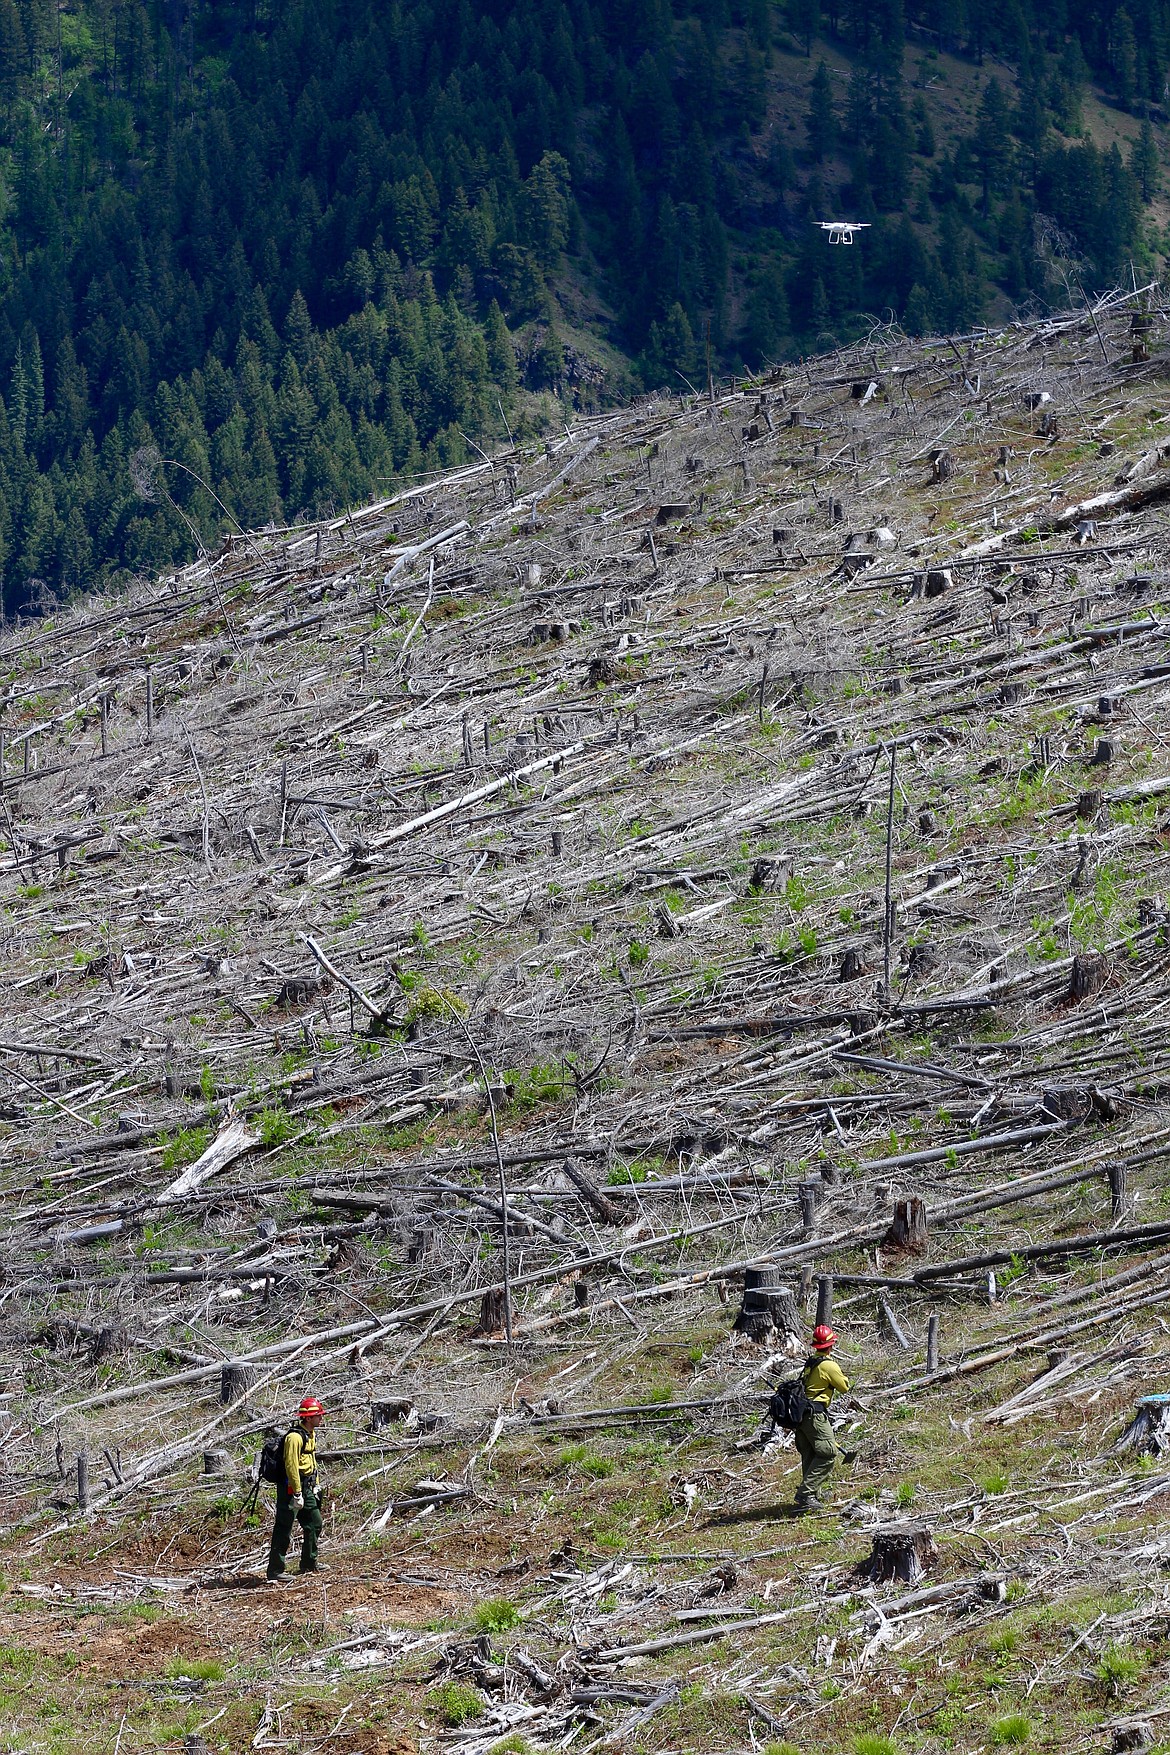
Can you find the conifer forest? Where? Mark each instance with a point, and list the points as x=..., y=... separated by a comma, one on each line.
x=292, y=254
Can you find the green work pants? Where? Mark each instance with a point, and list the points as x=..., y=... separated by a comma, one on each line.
x=309, y=1518
x=818, y=1454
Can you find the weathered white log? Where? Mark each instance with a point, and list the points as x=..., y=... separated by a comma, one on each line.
x=234, y=1140
x=1124, y=499
x=407, y=555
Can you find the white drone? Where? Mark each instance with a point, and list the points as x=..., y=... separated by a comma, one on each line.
x=841, y=230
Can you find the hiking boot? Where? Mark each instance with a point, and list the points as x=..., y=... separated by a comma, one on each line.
x=275, y=1577
x=316, y=1567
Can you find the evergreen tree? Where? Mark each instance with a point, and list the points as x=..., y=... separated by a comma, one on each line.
x=918, y=316
x=670, y=352
x=819, y=313
x=500, y=352
x=992, y=141
x=924, y=142
x=13, y=48
x=1144, y=162
x=768, y=321
x=821, y=120
x=549, y=360
x=804, y=20
x=547, y=209
x=1123, y=56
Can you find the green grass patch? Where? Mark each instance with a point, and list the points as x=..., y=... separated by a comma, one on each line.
x=276, y=1126
x=1015, y=1729
x=195, y=1670
x=1119, y=1665
x=455, y=1703
x=579, y=1456
x=496, y=1616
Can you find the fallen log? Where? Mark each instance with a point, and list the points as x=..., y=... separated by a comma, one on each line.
x=232, y=1143
x=1132, y=498
x=602, y=1206
x=1057, y=1246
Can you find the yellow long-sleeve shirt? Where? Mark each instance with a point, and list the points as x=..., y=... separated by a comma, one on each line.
x=823, y=1378
x=300, y=1458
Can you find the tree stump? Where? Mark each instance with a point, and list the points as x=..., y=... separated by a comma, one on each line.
x=909, y=1231
x=389, y=1413
x=824, y=1299
x=1067, y=1102
x=493, y=1312
x=767, y=874
x=665, y=923
x=1134, y=1735
x=420, y=1247
x=1148, y=1433
x=852, y=966
x=932, y=1342
x=1086, y=977
x=602, y=669
x=902, y=1552
x=769, y=1307
x=236, y=1378
x=807, y=1193
x=216, y=1462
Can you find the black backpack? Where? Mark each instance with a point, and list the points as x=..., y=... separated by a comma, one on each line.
x=788, y=1403
x=272, y=1458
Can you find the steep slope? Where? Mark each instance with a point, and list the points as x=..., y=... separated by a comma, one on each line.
x=754, y=808
x=315, y=250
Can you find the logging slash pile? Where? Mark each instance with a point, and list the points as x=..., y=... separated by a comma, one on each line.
x=507, y=960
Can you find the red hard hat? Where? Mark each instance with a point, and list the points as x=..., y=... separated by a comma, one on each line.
x=824, y=1337
x=311, y=1406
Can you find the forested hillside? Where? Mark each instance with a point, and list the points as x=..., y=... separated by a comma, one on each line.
x=307, y=249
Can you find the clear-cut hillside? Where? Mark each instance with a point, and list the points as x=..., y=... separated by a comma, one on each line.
x=749, y=811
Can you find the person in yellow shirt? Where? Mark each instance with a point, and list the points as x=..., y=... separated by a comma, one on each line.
x=297, y=1496
x=822, y=1378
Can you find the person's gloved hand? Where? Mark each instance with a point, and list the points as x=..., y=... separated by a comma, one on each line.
x=297, y=1501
